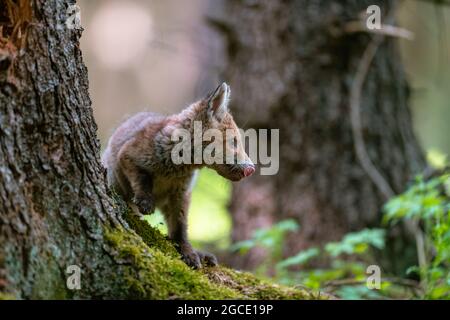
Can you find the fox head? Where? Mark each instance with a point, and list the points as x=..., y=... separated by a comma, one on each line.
x=235, y=163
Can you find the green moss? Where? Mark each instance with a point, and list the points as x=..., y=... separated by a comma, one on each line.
x=6, y=296
x=151, y=236
x=49, y=285
x=152, y=269
x=254, y=288
x=153, y=274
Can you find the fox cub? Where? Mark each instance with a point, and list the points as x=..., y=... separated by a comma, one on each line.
x=140, y=168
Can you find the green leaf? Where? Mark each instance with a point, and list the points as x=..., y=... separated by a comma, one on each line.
x=357, y=242
x=300, y=258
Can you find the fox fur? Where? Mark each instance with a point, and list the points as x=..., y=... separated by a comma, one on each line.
x=140, y=168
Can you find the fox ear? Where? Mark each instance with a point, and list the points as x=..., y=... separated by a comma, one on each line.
x=218, y=102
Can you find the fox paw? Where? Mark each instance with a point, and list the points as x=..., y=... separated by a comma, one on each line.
x=196, y=258
x=207, y=258
x=146, y=205
x=191, y=258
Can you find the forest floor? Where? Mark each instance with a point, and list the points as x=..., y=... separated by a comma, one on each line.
x=159, y=273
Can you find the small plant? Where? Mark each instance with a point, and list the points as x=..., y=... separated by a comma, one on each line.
x=347, y=259
x=356, y=245
x=271, y=239
x=357, y=242
x=426, y=204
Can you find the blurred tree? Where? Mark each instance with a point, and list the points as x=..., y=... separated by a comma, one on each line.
x=291, y=66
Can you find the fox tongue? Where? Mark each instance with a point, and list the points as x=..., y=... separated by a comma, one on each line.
x=248, y=171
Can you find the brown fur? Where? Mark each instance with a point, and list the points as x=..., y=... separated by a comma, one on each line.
x=140, y=169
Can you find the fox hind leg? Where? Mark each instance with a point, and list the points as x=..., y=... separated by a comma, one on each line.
x=176, y=217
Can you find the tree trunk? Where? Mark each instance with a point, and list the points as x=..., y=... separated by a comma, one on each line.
x=52, y=192
x=54, y=208
x=291, y=66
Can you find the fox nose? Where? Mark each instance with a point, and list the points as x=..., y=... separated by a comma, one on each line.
x=249, y=170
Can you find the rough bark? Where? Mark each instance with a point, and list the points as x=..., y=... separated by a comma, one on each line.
x=291, y=66
x=52, y=190
x=55, y=210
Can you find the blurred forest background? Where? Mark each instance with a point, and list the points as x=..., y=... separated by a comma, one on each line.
x=162, y=55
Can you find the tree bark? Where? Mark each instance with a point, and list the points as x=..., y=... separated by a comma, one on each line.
x=52, y=189
x=291, y=66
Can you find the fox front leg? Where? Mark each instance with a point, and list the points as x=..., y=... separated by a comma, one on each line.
x=144, y=200
x=141, y=183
